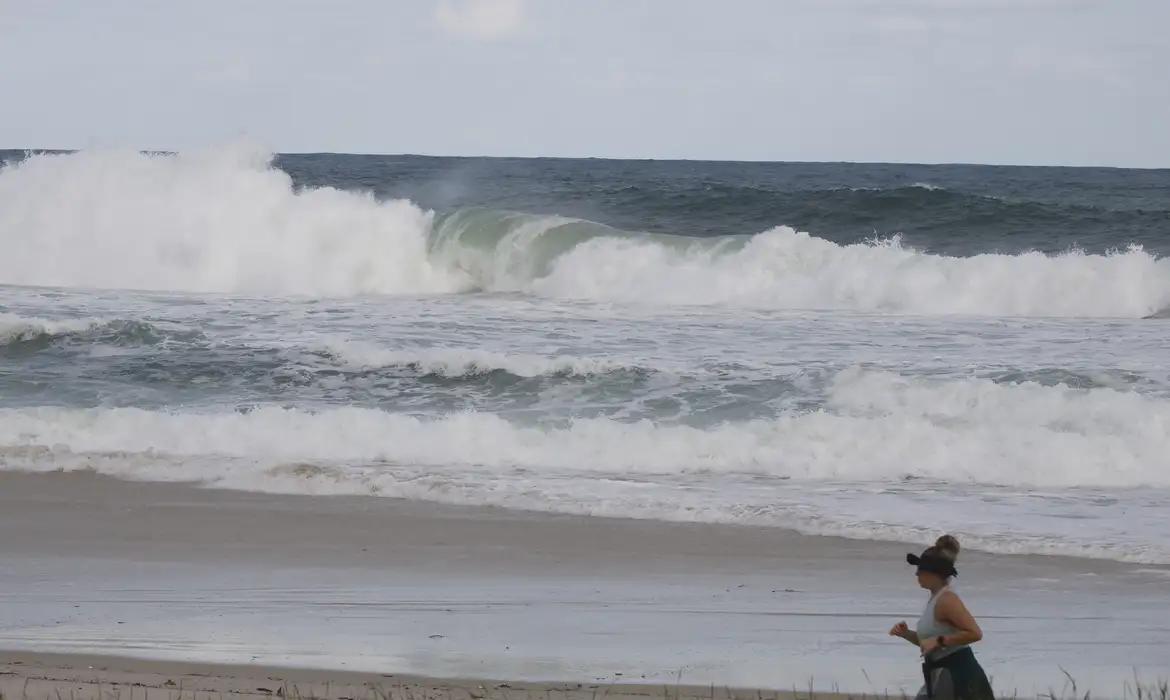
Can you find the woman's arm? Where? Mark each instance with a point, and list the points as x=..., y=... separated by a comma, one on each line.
x=951, y=610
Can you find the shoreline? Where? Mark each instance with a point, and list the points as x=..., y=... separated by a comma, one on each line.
x=26, y=490
x=96, y=565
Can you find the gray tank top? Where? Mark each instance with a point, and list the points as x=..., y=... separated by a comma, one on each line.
x=928, y=626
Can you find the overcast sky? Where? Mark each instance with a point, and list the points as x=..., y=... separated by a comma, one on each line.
x=1077, y=82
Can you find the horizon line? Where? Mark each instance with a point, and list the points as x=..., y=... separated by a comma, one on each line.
x=637, y=159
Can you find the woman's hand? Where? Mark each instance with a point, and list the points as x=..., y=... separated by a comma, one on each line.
x=901, y=630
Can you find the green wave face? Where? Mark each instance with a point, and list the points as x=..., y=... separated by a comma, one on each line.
x=505, y=250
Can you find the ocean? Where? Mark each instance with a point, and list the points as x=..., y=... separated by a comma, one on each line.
x=881, y=352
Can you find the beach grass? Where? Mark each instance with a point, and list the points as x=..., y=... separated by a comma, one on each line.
x=1157, y=690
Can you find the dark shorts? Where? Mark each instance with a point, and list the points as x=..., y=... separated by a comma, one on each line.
x=956, y=677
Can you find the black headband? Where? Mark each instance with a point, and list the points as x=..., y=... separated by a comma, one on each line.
x=933, y=563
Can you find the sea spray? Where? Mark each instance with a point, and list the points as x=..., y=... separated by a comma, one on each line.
x=227, y=221
x=197, y=223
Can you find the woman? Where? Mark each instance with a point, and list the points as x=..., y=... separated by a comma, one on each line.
x=946, y=631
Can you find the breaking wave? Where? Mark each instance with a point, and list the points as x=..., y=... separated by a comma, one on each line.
x=227, y=221
x=31, y=334
x=887, y=431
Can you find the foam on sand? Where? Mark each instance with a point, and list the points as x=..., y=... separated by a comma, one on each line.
x=880, y=433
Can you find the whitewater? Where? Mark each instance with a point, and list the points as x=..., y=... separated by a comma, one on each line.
x=222, y=318
x=226, y=221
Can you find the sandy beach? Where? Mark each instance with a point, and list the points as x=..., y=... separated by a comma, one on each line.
x=35, y=676
x=168, y=574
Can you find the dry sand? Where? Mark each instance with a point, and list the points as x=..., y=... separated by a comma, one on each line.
x=25, y=676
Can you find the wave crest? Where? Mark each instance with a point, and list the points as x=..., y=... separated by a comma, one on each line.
x=20, y=333
x=470, y=362
x=22, y=329
x=227, y=221
x=876, y=426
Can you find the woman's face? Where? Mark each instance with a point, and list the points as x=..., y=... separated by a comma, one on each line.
x=928, y=580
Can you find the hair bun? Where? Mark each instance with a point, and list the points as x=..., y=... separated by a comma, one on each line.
x=948, y=546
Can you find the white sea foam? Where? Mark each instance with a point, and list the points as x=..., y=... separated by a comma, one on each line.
x=224, y=220
x=460, y=362
x=14, y=328
x=878, y=429
x=787, y=269
x=211, y=221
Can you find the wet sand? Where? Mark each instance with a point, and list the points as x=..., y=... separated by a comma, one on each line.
x=356, y=584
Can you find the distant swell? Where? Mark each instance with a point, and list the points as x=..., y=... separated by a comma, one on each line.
x=18, y=329
x=941, y=219
x=858, y=206
x=466, y=362
x=31, y=334
x=226, y=221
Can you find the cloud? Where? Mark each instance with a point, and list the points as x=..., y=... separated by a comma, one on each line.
x=483, y=20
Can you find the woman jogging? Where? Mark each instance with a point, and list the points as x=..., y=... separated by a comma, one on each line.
x=945, y=631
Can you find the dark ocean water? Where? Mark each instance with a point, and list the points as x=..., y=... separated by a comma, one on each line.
x=868, y=350
x=946, y=209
